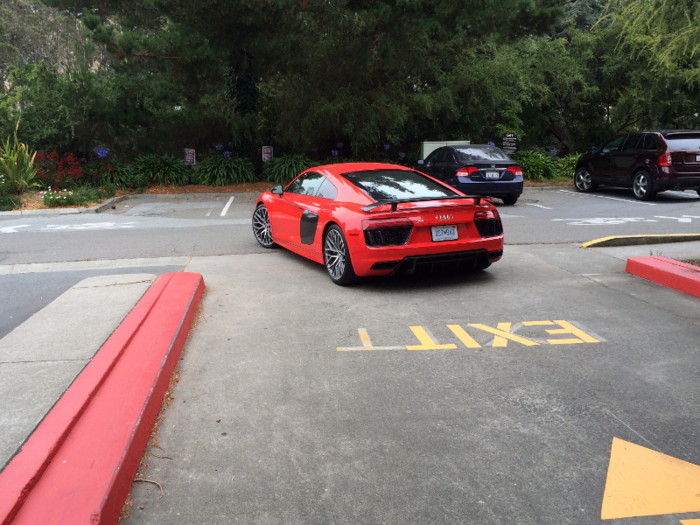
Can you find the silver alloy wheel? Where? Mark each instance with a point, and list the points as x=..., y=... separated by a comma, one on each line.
x=334, y=254
x=640, y=186
x=583, y=180
x=261, y=227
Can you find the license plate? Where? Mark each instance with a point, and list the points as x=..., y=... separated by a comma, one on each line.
x=492, y=175
x=444, y=233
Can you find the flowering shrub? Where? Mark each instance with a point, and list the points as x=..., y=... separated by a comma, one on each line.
x=56, y=171
x=80, y=197
x=101, y=152
x=57, y=198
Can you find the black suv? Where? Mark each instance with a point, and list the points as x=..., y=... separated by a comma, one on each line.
x=646, y=161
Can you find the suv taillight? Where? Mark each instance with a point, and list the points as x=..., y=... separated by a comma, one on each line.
x=665, y=160
x=466, y=172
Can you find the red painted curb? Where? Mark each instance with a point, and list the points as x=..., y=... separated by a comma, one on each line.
x=78, y=465
x=667, y=272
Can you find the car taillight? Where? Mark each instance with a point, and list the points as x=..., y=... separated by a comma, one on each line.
x=665, y=160
x=381, y=224
x=466, y=172
x=482, y=215
x=384, y=208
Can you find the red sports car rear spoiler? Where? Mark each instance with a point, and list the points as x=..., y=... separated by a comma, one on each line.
x=395, y=202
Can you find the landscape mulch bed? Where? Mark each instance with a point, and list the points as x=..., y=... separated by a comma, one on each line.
x=34, y=200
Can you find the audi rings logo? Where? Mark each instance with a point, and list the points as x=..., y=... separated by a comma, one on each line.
x=444, y=217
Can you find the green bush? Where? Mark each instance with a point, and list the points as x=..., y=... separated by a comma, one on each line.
x=536, y=166
x=9, y=202
x=283, y=169
x=566, y=166
x=17, y=165
x=120, y=176
x=162, y=170
x=78, y=197
x=221, y=171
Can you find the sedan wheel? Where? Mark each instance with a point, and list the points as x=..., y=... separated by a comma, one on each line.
x=584, y=181
x=643, y=186
x=261, y=227
x=337, y=257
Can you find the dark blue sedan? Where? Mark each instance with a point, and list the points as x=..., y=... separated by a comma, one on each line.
x=477, y=169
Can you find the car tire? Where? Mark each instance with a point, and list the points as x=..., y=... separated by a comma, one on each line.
x=643, y=186
x=583, y=180
x=336, y=257
x=261, y=227
x=511, y=199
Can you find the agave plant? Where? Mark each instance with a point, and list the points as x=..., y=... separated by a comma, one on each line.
x=17, y=165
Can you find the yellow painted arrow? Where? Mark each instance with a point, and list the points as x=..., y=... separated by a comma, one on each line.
x=643, y=482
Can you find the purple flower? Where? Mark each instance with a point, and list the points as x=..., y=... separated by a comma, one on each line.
x=402, y=155
x=228, y=154
x=491, y=144
x=101, y=152
x=351, y=145
x=314, y=150
x=334, y=152
x=553, y=152
x=230, y=144
x=340, y=144
x=386, y=146
x=219, y=147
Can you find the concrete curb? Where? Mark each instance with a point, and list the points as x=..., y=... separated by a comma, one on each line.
x=80, y=462
x=544, y=188
x=111, y=202
x=637, y=240
x=666, y=272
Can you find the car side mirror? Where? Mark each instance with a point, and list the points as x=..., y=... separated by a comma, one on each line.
x=277, y=190
x=421, y=162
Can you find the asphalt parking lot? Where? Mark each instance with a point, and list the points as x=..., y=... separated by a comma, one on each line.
x=483, y=398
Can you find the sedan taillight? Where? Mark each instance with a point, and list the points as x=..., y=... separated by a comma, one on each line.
x=665, y=160
x=466, y=171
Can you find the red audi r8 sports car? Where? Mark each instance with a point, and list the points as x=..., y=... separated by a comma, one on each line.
x=362, y=219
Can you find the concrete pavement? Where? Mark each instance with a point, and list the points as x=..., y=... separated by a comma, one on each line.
x=272, y=424
x=40, y=358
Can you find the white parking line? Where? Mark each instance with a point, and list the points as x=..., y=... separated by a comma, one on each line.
x=13, y=229
x=604, y=197
x=538, y=205
x=209, y=212
x=228, y=205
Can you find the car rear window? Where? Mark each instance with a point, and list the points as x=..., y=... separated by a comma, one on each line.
x=683, y=141
x=481, y=153
x=397, y=185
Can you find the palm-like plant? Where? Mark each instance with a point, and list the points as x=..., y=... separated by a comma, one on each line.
x=17, y=164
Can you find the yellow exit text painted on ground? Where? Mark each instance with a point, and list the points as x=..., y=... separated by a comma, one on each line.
x=502, y=334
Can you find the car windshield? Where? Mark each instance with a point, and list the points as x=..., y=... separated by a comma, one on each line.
x=683, y=141
x=398, y=185
x=480, y=153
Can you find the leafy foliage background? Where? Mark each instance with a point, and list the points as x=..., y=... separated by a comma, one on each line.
x=378, y=77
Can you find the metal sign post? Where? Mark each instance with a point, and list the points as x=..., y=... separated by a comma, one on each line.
x=266, y=153
x=510, y=143
x=189, y=157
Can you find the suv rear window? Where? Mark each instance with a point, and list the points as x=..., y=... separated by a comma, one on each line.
x=681, y=141
x=481, y=153
x=397, y=185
